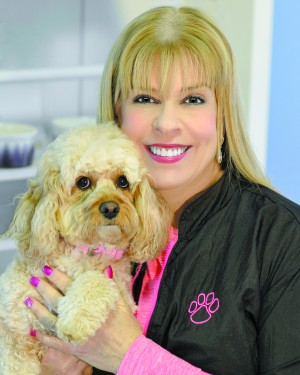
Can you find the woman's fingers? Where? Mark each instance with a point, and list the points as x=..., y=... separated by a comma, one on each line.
x=51, y=290
x=61, y=280
x=43, y=315
x=56, y=362
x=55, y=343
x=50, y=294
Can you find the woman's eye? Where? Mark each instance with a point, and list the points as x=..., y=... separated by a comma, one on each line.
x=84, y=183
x=194, y=100
x=144, y=99
x=122, y=182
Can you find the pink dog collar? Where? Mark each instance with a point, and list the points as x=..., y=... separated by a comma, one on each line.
x=113, y=253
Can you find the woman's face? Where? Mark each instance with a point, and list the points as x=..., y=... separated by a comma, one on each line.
x=176, y=134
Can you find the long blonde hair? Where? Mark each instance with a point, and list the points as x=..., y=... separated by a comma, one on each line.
x=168, y=35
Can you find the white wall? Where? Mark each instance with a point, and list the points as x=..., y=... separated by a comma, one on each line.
x=53, y=34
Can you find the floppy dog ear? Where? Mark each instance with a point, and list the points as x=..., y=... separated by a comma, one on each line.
x=154, y=222
x=34, y=225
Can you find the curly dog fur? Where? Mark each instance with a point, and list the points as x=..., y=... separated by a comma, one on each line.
x=91, y=189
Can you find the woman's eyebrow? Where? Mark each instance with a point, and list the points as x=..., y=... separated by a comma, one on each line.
x=145, y=89
x=194, y=87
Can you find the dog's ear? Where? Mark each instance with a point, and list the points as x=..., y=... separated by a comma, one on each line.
x=154, y=222
x=34, y=225
x=20, y=228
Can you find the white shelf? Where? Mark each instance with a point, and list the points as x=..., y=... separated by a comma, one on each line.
x=12, y=174
x=7, y=245
x=33, y=75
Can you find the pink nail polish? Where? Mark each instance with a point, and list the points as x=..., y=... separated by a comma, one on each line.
x=47, y=270
x=28, y=302
x=34, y=281
x=110, y=272
x=33, y=332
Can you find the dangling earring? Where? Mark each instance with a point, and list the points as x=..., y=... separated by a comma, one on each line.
x=220, y=156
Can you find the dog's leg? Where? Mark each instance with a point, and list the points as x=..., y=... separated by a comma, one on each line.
x=19, y=354
x=86, y=306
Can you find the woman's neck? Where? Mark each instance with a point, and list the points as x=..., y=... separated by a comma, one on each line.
x=177, y=197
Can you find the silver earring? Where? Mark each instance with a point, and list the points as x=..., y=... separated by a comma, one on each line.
x=220, y=157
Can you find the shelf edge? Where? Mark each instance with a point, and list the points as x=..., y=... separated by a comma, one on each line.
x=32, y=75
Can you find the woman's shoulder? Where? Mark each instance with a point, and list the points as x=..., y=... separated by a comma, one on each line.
x=268, y=201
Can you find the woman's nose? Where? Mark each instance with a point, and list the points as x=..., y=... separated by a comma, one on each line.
x=166, y=120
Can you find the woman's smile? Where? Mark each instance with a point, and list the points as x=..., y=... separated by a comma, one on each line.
x=167, y=153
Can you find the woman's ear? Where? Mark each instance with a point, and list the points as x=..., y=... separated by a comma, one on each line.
x=34, y=225
x=154, y=222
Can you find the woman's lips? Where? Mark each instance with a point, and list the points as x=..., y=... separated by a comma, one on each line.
x=167, y=153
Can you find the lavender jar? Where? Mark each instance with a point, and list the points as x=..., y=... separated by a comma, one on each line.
x=16, y=145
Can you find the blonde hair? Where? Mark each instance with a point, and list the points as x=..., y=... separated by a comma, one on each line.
x=167, y=36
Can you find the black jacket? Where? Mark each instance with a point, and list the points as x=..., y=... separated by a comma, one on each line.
x=229, y=299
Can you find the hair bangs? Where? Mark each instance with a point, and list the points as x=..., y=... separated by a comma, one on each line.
x=196, y=65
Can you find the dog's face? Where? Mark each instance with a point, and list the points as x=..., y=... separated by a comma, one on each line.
x=99, y=208
x=92, y=189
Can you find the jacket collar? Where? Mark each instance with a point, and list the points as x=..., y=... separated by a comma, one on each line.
x=203, y=205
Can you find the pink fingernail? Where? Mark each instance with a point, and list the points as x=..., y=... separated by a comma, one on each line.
x=28, y=302
x=110, y=272
x=33, y=332
x=47, y=270
x=34, y=281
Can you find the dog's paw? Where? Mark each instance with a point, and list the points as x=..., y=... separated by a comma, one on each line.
x=86, y=306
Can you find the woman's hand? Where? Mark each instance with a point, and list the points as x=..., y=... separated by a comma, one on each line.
x=105, y=350
x=54, y=362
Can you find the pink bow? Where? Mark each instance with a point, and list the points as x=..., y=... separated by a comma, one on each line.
x=113, y=253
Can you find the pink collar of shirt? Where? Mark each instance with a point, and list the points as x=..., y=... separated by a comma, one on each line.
x=151, y=282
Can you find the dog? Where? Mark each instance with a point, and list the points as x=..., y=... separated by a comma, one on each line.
x=91, y=205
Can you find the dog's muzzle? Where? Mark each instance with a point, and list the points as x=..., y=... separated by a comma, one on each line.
x=109, y=209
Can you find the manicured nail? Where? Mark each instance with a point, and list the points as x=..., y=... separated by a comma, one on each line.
x=28, y=302
x=34, y=281
x=47, y=270
x=33, y=332
x=110, y=272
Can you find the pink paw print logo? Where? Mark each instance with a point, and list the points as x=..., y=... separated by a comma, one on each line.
x=203, y=309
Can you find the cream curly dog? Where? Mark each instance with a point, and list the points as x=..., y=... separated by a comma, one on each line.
x=91, y=205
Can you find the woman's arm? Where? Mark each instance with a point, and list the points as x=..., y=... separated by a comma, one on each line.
x=147, y=357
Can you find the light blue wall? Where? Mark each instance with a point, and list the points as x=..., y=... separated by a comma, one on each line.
x=283, y=149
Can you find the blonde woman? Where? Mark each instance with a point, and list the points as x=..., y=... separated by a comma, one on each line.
x=223, y=298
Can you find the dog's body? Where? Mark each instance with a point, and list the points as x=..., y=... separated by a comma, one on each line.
x=91, y=192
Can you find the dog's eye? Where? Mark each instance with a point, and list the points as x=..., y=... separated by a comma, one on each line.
x=84, y=183
x=122, y=182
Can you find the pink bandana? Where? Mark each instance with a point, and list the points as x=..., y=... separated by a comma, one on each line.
x=95, y=250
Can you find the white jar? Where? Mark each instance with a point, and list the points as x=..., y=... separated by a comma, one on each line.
x=60, y=125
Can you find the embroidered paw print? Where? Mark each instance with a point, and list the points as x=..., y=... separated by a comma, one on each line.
x=202, y=310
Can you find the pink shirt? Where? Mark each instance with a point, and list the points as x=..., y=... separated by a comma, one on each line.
x=145, y=356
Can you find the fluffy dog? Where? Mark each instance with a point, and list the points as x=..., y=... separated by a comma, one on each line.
x=91, y=205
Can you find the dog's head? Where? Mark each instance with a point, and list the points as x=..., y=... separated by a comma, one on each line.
x=91, y=188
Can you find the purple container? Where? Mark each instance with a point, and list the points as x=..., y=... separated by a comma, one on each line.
x=16, y=145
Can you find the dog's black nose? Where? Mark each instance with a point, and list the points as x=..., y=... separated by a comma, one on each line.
x=109, y=209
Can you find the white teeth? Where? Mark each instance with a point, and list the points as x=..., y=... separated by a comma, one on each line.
x=170, y=152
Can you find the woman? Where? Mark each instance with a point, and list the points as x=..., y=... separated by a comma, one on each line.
x=224, y=295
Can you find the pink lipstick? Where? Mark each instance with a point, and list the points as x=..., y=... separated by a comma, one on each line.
x=167, y=153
